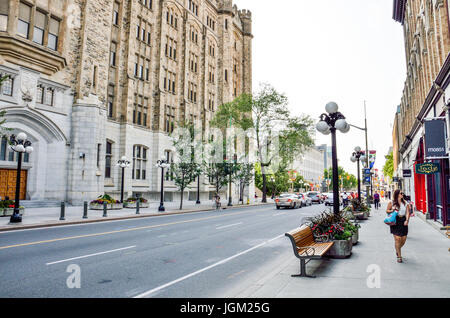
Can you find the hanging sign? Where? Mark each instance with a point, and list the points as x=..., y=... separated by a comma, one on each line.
x=406, y=173
x=428, y=168
x=435, y=147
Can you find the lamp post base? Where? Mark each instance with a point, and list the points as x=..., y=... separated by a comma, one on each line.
x=198, y=202
x=15, y=217
x=161, y=208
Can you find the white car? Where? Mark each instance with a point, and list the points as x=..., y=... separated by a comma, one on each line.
x=329, y=200
x=308, y=200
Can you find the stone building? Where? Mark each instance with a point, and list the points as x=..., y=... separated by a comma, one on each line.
x=92, y=81
x=425, y=99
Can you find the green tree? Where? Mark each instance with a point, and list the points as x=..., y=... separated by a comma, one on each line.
x=184, y=169
x=265, y=113
x=388, y=168
x=346, y=181
x=244, y=175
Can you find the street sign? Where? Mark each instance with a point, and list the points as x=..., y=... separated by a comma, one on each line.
x=407, y=173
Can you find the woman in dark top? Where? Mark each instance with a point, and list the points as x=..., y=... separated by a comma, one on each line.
x=400, y=229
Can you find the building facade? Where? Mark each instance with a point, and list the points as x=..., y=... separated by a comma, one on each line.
x=92, y=81
x=425, y=98
x=311, y=165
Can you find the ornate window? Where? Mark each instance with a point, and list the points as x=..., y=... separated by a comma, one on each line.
x=45, y=95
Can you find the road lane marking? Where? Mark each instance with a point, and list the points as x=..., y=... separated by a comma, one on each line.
x=230, y=225
x=147, y=293
x=95, y=254
x=121, y=231
x=279, y=213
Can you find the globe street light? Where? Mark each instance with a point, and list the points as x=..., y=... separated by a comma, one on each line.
x=21, y=145
x=329, y=123
x=162, y=163
x=356, y=157
x=123, y=163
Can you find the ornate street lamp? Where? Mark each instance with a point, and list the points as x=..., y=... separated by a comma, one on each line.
x=123, y=163
x=356, y=157
x=162, y=163
x=329, y=123
x=21, y=145
x=198, y=190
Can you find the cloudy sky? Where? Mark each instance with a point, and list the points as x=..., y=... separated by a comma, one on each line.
x=347, y=51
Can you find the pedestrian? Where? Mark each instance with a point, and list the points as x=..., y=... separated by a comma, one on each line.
x=218, y=204
x=376, y=199
x=345, y=198
x=400, y=229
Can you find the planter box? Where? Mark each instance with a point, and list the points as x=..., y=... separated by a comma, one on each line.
x=361, y=215
x=10, y=211
x=132, y=205
x=355, y=238
x=113, y=206
x=340, y=249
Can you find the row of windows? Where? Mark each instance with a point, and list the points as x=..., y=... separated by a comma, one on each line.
x=171, y=48
x=139, y=171
x=193, y=7
x=193, y=62
x=44, y=95
x=45, y=30
x=169, y=82
x=211, y=23
x=139, y=66
x=140, y=111
x=143, y=32
x=169, y=119
x=172, y=18
x=147, y=3
x=192, y=92
x=7, y=85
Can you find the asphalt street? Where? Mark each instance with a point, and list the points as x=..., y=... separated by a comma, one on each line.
x=204, y=254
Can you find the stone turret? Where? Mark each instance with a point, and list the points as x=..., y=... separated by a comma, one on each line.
x=246, y=18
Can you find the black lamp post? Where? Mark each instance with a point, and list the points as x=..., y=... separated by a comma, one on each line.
x=329, y=123
x=356, y=157
x=230, y=169
x=123, y=163
x=162, y=163
x=198, y=190
x=21, y=145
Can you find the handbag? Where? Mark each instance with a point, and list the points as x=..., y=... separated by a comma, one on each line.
x=391, y=219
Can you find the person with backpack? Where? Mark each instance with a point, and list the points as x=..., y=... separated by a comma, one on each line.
x=400, y=228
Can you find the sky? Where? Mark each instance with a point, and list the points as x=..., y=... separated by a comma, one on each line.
x=346, y=51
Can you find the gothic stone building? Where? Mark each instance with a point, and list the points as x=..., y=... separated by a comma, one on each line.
x=92, y=81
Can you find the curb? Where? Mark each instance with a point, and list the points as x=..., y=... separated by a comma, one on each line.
x=14, y=227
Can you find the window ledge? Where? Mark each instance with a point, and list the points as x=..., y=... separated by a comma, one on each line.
x=25, y=53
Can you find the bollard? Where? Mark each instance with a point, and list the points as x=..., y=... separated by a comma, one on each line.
x=137, y=206
x=85, y=210
x=63, y=211
x=105, y=206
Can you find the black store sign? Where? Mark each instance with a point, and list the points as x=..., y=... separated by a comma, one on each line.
x=435, y=147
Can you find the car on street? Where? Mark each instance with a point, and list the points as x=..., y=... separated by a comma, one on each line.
x=308, y=200
x=329, y=200
x=288, y=200
x=315, y=197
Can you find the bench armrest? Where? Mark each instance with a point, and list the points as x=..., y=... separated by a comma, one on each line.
x=306, y=250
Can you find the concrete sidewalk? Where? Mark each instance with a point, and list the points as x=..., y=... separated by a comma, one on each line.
x=423, y=273
x=50, y=216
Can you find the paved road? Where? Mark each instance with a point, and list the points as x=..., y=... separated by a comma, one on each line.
x=207, y=254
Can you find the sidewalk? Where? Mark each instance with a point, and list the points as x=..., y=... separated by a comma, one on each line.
x=423, y=273
x=49, y=216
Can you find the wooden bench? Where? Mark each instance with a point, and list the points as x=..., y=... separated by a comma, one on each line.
x=306, y=247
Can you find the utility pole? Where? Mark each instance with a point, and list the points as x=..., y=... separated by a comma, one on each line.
x=367, y=154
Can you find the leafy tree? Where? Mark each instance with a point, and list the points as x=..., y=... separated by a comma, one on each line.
x=264, y=113
x=346, y=180
x=184, y=169
x=388, y=168
x=244, y=175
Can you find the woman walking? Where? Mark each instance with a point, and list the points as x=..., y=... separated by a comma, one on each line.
x=376, y=199
x=400, y=229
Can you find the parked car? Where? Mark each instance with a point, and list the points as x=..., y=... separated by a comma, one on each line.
x=315, y=197
x=308, y=200
x=288, y=200
x=329, y=200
